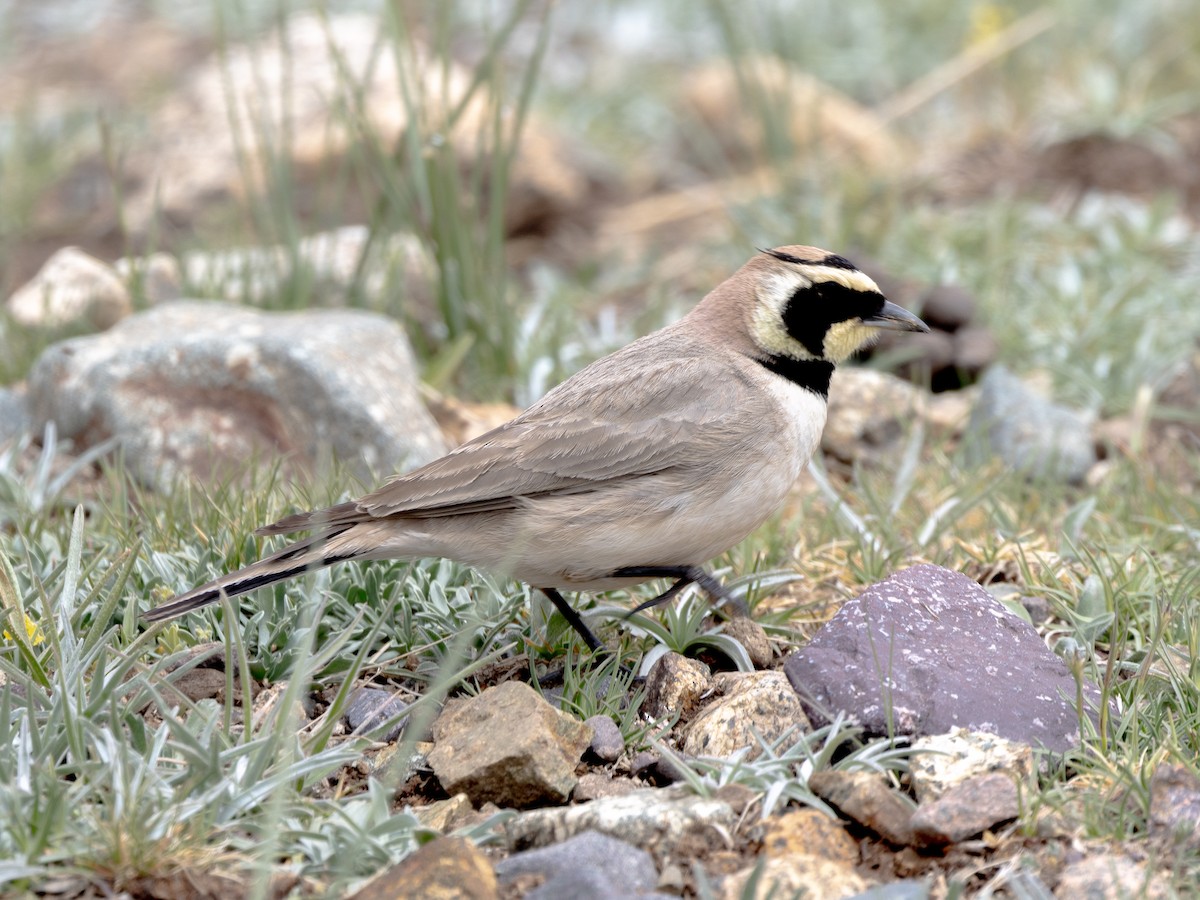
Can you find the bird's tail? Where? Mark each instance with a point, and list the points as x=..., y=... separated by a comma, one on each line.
x=314, y=552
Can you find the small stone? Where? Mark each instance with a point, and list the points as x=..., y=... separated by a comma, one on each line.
x=799, y=875
x=448, y=868
x=72, y=289
x=598, y=785
x=868, y=412
x=752, y=637
x=607, y=742
x=1028, y=432
x=509, y=746
x=755, y=705
x=588, y=865
x=809, y=831
x=929, y=650
x=675, y=686
x=445, y=815
x=1175, y=802
x=657, y=820
x=371, y=707
x=966, y=810
x=1110, y=876
x=940, y=762
x=866, y=798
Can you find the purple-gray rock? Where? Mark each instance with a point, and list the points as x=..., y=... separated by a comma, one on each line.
x=370, y=707
x=1031, y=434
x=607, y=743
x=928, y=650
x=195, y=388
x=588, y=865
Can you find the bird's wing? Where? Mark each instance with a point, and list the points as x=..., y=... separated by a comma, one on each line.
x=609, y=422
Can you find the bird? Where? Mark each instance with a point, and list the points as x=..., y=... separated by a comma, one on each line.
x=647, y=463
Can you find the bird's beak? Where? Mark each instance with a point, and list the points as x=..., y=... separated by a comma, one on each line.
x=895, y=318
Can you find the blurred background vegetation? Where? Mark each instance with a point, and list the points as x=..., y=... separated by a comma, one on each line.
x=574, y=175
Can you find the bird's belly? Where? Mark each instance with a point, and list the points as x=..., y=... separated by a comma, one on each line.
x=578, y=546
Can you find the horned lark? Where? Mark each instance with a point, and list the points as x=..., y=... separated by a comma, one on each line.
x=646, y=464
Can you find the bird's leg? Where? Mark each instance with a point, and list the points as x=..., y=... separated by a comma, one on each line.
x=686, y=575
x=573, y=618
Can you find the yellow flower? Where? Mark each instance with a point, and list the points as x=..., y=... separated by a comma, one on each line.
x=987, y=20
x=33, y=632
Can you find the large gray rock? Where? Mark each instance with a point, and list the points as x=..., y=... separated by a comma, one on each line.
x=1030, y=433
x=197, y=388
x=928, y=651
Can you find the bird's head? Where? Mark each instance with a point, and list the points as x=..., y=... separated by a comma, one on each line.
x=810, y=304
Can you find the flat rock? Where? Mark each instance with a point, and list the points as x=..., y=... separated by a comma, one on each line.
x=72, y=289
x=966, y=810
x=1029, y=433
x=868, y=799
x=1175, y=802
x=588, y=866
x=448, y=868
x=675, y=685
x=1110, y=876
x=928, y=650
x=509, y=746
x=755, y=705
x=799, y=875
x=941, y=761
x=596, y=785
x=657, y=820
x=811, y=831
x=197, y=388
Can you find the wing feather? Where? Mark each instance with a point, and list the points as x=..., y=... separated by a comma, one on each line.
x=619, y=418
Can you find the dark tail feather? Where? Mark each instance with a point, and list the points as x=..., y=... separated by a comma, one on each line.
x=295, y=559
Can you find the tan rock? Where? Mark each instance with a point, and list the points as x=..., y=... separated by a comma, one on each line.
x=798, y=875
x=755, y=703
x=810, y=831
x=72, y=289
x=448, y=868
x=509, y=746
